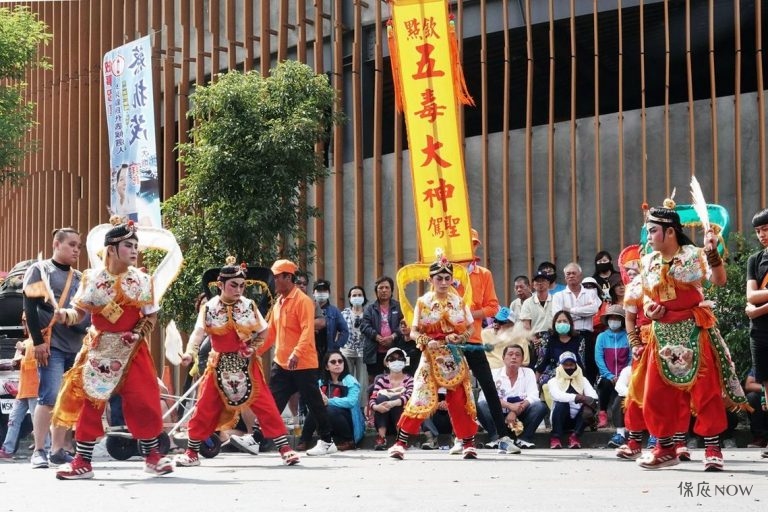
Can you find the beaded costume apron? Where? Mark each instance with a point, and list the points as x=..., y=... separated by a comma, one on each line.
x=231, y=326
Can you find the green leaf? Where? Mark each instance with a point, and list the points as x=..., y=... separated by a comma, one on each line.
x=252, y=150
x=21, y=34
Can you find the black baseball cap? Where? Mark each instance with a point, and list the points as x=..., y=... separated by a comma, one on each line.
x=322, y=284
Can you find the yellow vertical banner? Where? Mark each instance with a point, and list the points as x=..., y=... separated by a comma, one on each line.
x=429, y=85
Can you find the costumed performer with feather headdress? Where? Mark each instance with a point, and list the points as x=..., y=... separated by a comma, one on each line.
x=689, y=365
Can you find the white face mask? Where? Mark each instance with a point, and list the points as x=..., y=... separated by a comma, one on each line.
x=356, y=301
x=321, y=296
x=396, y=366
x=614, y=325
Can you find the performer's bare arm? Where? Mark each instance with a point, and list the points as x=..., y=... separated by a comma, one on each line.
x=630, y=320
x=193, y=345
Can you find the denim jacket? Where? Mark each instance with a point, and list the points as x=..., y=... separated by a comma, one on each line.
x=337, y=332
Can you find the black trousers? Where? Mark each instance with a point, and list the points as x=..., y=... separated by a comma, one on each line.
x=284, y=383
x=478, y=363
x=387, y=419
x=590, y=366
x=758, y=420
x=562, y=421
x=606, y=391
x=341, y=425
x=758, y=347
x=617, y=414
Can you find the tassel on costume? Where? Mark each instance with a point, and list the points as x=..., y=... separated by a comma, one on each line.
x=394, y=61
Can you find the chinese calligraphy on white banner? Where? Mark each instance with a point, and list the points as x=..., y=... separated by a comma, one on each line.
x=130, y=108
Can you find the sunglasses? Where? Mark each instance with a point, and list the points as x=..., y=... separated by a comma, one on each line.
x=335, y=361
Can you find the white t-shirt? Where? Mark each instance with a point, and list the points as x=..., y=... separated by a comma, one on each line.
x=525, y=387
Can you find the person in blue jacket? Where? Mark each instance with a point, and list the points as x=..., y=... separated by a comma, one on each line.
x=341, y=395
x=336, y=332
x=612, y=354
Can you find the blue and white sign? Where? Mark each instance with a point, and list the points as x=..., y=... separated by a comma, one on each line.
x=130, y=107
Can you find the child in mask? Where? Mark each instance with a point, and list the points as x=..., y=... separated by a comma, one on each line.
x=572, y=395
x=612, y=355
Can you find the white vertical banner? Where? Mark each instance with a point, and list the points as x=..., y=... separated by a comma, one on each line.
x=129, y=101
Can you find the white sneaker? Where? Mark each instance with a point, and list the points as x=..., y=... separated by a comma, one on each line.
x=39, y=459
x=524, y=444
x=397, y=451
x=507, y=445
x=430, y=441
x=245, y=444
x=492, y=445
x=457, y=448
x=322, y=448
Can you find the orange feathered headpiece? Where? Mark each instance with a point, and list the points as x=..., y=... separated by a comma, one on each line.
x=629, y=259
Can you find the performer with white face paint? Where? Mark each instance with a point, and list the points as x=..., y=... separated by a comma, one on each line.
x=233, y=378
x=115, y=358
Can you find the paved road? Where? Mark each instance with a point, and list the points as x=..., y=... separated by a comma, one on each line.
x=364, y=480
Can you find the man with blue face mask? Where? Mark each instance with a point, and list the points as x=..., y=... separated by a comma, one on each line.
x=336, y=332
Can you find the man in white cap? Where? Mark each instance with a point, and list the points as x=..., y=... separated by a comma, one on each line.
x=572, y=395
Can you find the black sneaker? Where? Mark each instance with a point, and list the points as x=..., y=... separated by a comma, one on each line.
x=59, y=457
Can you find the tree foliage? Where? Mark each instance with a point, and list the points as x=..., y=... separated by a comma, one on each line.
x=731, y=300
x=21, y=34
x=252, y=149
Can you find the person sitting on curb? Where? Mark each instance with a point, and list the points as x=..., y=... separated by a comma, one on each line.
x=619, y=439
x=519, y=395
x=341, y=395
x=573, y=398
x=611, y=356
x=391, y=391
